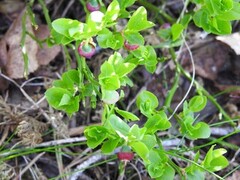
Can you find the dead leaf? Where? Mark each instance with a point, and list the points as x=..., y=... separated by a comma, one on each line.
x=45, y=54
x=233, y=40
x=210, y=59
x=14, y=63
x=11, y=7
x=11, y=58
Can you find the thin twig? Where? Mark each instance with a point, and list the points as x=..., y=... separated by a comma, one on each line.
x=29, y=165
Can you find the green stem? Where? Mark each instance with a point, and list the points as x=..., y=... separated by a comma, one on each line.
x=173, y=90
x=214, y=141
x=122, y=166
x=190, y=161
x=46, y=14
x=67, y=57
x=22, y=44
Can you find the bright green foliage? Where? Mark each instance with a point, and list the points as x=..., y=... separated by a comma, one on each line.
x=112, y=12
x=147, y=102
x=214, y=159
x=108, y=39
x=114, y=72
x=176, y=31
x=197, y=103
x=119, y=125
x=126, y=115
x=145, y=55
x=198, y=130
x=158, y=121
x=95, y=135
x=214, y=16
x=140, y=15
x=63, y=95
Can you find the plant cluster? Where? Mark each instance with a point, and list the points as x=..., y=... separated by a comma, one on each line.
x=77, y=85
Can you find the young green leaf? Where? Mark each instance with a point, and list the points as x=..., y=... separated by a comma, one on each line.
x=112, y=12
x=157, y=122
x=110, y=145
x=197, y=103
x=176, y=30
x=62, y=99
x=127, y=115
x=95, y=135
x=149, y=140
x=147, y=97
x=231, y=15
x=141, y=149
x=134, y=38
x=138, y=21
x=136, y=133
x=119, y=125
x=214, y=159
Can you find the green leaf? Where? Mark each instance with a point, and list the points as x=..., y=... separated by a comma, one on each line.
x=119, y=125
x=214, y=159
x=216, y=7
x=59, y=38
x=68, y=80
x=127, y=115
x=147, y=97
x=151, y=59
x=124, y=68
x=107, y=70
x=136, y=133
x=110, y=83
x=231, y=15
x=201, y=19
x=141, y=149
x=110, y=97
x=185, y=20
x=54, y=96
x=157, y=122
x=154, y=156
x=168, y=172
x=200, y=130
x=155, y=170
x=64, y=26
x=138, y=21
x=197, y=103
x=62, y=99
x=112, y=12
x=110, y=145
x=65, y=100
x=103, y=37
x=176, y=30
x=115, y=41
x=134, y=38
x=95, y=135
x=150, y=141
x=196, y=174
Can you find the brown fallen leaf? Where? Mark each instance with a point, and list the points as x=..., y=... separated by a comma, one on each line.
x=14, y=64
x=11, y=58
x=46, y=54
x=11, y=8
x=210, y=59
x=233, y=40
